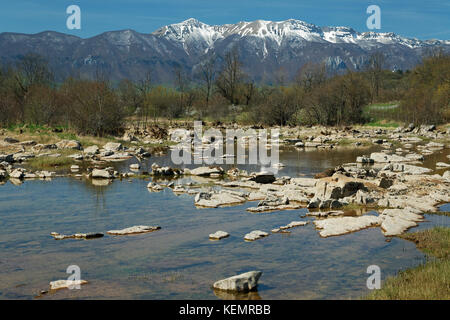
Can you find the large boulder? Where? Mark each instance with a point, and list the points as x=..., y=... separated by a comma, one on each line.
x=336, y=190
x=385, y=183
x=7, y=157
x=101, y=174
x=16, y=174
x=3, y=174
x=263, y=177
x=241, y=283
x=273, y=200
x=446, y=175
x=91, y=150
x=381, y=157
x=10, y=140
x=69, y=144
x=113, y=146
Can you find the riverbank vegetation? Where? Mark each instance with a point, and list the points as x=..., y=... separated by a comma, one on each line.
x=221, y=92
x=427, y=281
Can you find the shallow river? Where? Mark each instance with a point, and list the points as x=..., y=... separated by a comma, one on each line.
x=178, y=261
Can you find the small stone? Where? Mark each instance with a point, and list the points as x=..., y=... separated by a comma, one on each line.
x=240, y=283
x=219, y=235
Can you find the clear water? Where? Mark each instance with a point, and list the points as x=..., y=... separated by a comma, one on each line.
x=179, y=261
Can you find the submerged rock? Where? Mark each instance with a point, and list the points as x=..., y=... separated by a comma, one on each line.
x=134, y=230
x=240, y=283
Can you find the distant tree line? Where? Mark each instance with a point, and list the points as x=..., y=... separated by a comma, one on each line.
x=220, y=90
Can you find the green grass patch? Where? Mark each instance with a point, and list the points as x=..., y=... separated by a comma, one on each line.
x=46, y=162
x=427, y=281
x=435, y=242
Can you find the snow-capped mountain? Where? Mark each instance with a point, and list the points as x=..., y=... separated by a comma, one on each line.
x=192, y=31
x=265, y=48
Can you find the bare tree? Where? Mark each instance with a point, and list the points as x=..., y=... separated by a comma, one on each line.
x=207, y=75
x=375, y=69
x=144, y=86
x=230, y=77
x=311, y=75
x=182, y=85
x=31, y=70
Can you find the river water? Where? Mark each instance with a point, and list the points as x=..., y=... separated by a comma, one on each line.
x=179, y=261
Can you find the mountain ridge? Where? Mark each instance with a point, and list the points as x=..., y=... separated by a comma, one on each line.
x=264, y=47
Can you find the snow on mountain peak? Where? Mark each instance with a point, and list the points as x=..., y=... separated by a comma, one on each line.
x=204, y=35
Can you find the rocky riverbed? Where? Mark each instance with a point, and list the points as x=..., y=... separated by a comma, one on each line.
x=395, y=178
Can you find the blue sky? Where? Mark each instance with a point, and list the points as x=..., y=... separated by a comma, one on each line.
x=412, y=18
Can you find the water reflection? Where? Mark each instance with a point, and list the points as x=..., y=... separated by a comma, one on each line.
x=225, y=295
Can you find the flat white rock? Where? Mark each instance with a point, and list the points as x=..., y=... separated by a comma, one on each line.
x=342, y=225
x=255, y=235
x=218, y=235
x=62, y=284
x=134, y=230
